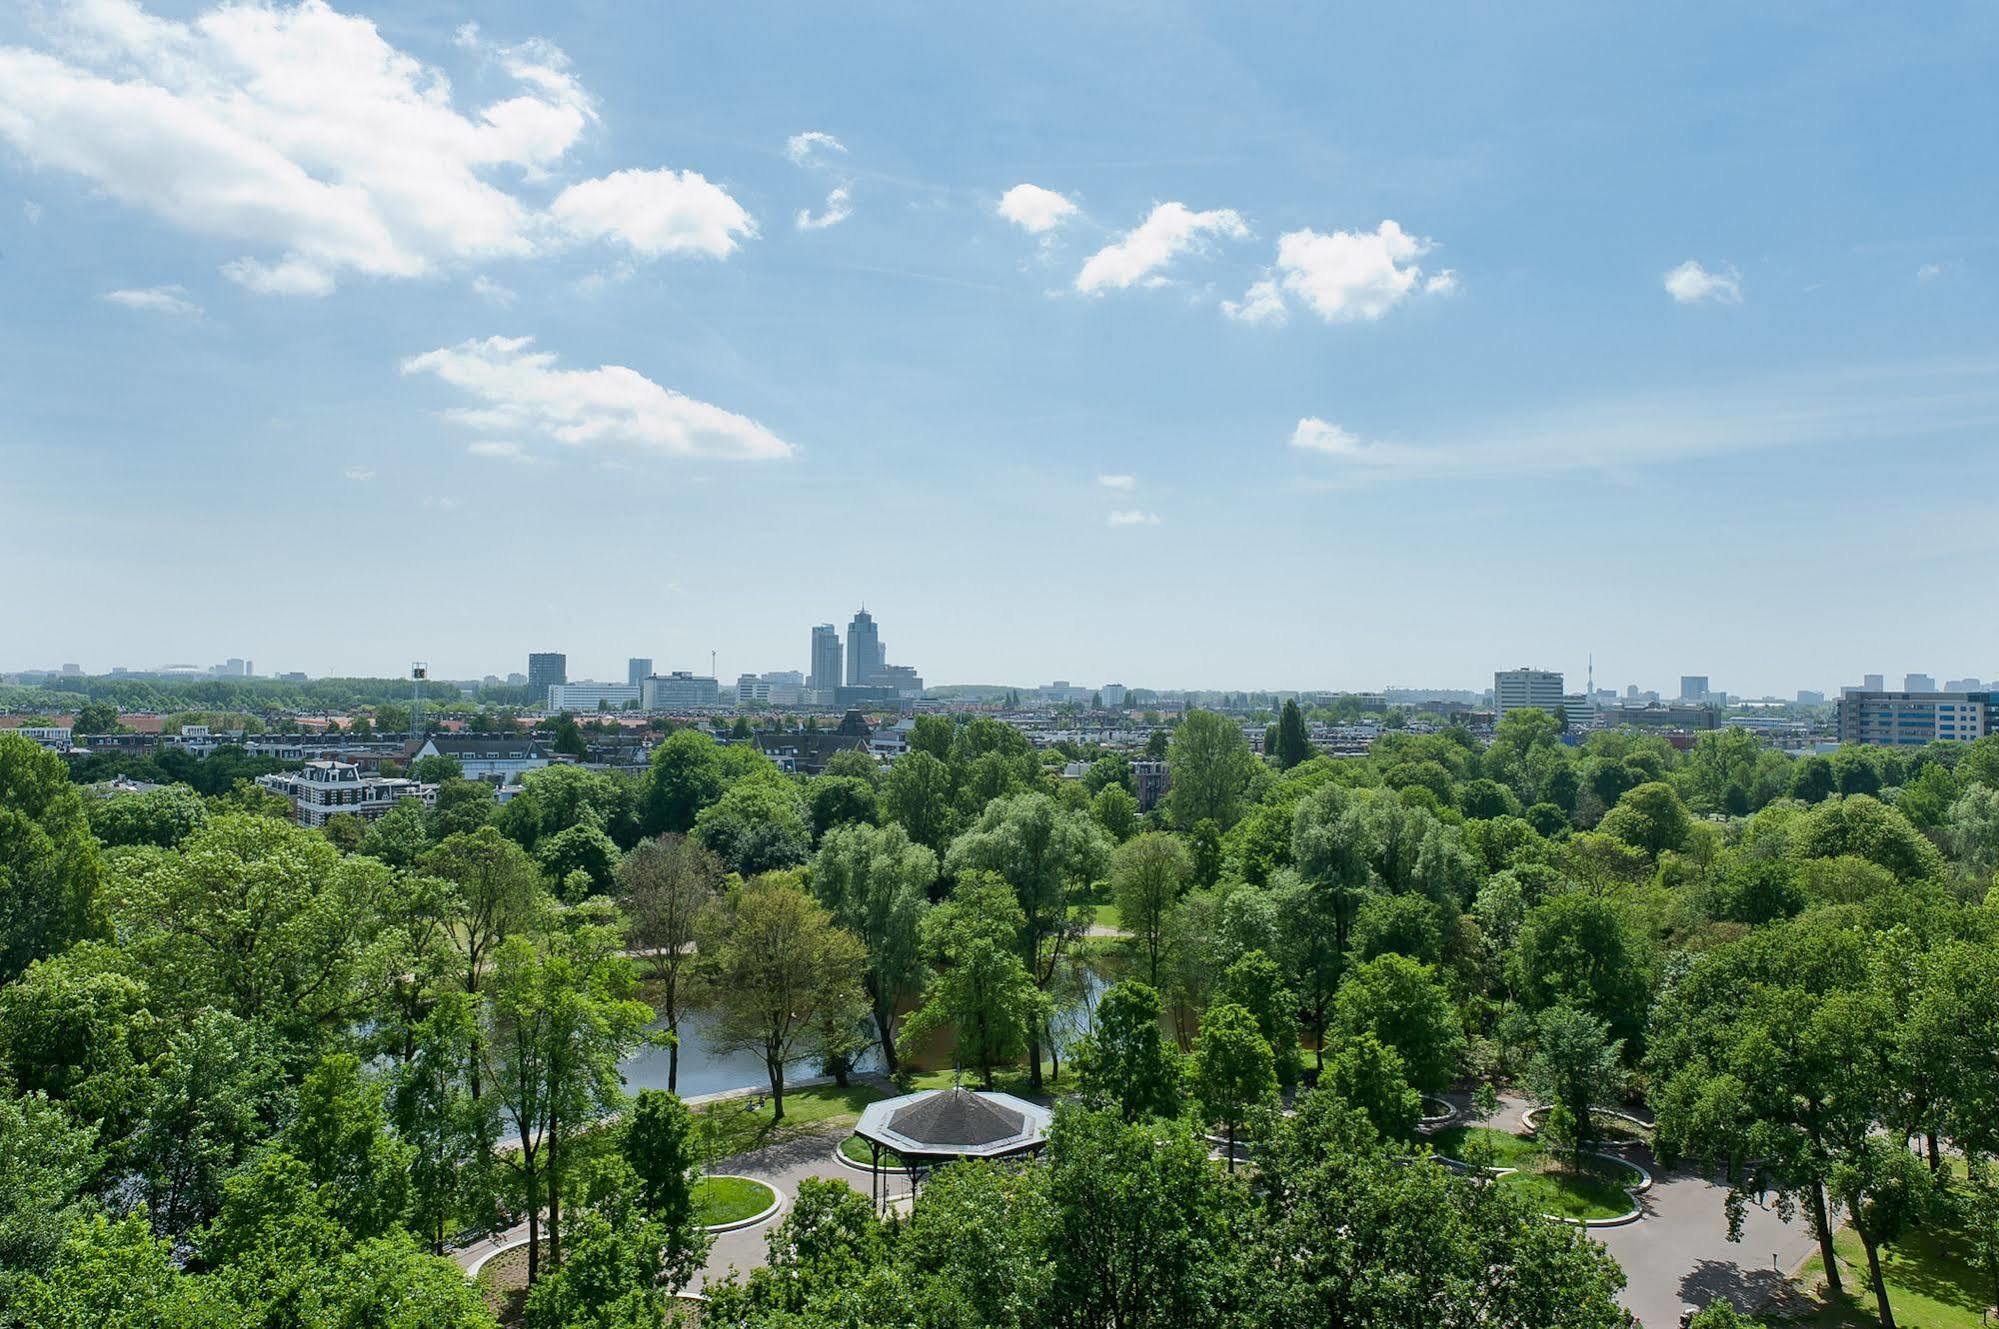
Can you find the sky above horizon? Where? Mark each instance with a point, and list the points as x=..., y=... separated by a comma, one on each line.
x=1178, y=345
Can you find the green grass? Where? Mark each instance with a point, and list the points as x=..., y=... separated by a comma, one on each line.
x=1500, y=1148
x=1932, y=1284
x=1006, y=1080
x=1596, y=1189
x=727, y=1128
x=1104, y=915
x=856, y=1150
x=730, y=1200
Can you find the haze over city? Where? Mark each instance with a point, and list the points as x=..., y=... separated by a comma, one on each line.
x=1208, y=348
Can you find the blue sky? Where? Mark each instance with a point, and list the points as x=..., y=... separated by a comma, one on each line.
x=1415, y=345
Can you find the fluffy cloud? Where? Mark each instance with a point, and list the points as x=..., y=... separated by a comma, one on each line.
x=1262, y=303
x=156, y=299
x=810, y=146
x=1343, y=277
x=1690, y=283
x=655, y=213
x=837, y=210
x=1034, y=209
x=301, y=134
x=1132, y=517
x=1328, y=439
x=521, y=390
x=1172, y=229
x=1929, y=272
x=492, y=292
x=1127, y=483
x=498, y=451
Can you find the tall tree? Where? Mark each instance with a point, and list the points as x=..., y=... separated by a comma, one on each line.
x=1233, y=1071
x=1294, y=746
x=1124, y=1063
x=874, y=881
x=1577, y=1068
x=49, y=868
x=979, y=984
x=1148, y=876
x=664, y=885
x=918, y=796
x=1211, y=764
x=782, y=975
x=685, y=776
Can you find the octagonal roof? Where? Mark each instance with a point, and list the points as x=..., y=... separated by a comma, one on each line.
x=955, y=1123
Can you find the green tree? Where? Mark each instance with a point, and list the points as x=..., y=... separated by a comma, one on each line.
x=212, y=1096
x=49, y=867
x=1116, y=811
x=1582, y=949
x=580, y=849
x=1293, y=745
x=1401, y=1004
x=1255, y=982
x=1124, y=1063
x=1577, y=1069
x=759, y=825
x=1886, y=1191
x=436, y=769
x=462, y=806
x=1210, y=764
x=610, y=1280
x=1233, y=1072
x=162, y=817
x=96, y=717
x=685, y=776
x=1649, y=817
x=875, y=883
x=841, y=800
x=918, y=796
x=1368, y=1075
x=664, y=884
x=399, y=836
x=1148, y=876
x=659, y=1146
x=783, y=977
x=46, y=1162
x=979, y=984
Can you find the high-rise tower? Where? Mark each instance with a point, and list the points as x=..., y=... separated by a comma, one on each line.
x=864, y=651
x=825, y=658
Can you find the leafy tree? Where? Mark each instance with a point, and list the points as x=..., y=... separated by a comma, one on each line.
x=1124, y=1062
x=918, y=795
x=399, y=836
x=1368, y=1075
x=1255, y=982
x=1886, y=1191
x=1577, y=1069
x=659, y=1147
x=610, y=1280
x=664, y=884
x=1210, y=764
x=49, y=867
x=1045, y=852
x=116, y=1273
x=498, y=893
x=1233, y=1071
x=1113, y=768
x=77, y=1029
x=345, y=831
x=782, y=976
x=979, y=985
x=1649, y=817
x=580, y=849
x=1398, y=925
x=841, y=800
x=875, y=883
x=830, y=1241
x=1400, y=1003
x=46, y=1163
x=436, y=769
x=213, y=1094
x=1582, y=949
x=462, y=806
x=163, y=817
x=96, y=717
x=1293, y=746
x=685, y=776
x=1861, y=827
x=758, y=826
x=1148, y=877
x=1204, y=850
x=1116, y=811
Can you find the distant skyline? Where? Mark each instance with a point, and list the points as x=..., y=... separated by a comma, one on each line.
x=1190, y=346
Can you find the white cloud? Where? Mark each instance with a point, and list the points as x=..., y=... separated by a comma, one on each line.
x=1929, y=272
x=837, y=211
x=156, y=299
x=1329, y=439
x=521, y=389
x=1132, y=517
x=494, y=450
x=291, y=276
x=1034, y=209
x=810, y=145
x=655, y=213
x=1127, y=483
x=358, y=474
x=1261, y=303
x=1690, y=283
x=1172, y=229
x=33, y=212
x=492, y=292
x=1348, y=276
x=442, y=504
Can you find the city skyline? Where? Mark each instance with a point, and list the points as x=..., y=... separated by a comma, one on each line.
x=1075, y=347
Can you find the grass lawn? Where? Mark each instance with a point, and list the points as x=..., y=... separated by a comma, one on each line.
x=1104, y=915
x=1594, y=1190
x=504, y=1282
x=1932, y=1284
x=730, y=1199
x=1006, y=1080
x=1501, y=1148
x=729, y=1128
x=856, y=1149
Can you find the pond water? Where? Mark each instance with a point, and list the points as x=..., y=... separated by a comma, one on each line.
x=703, y=1070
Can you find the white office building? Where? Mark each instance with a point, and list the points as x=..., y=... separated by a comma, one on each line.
x=591, y=696
x=679, y=691
x=1522, y=689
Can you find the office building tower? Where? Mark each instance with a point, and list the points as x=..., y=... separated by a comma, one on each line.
x=1520, y=689
x=678, y=690
x=1807, y=697
x=826, y=656
x=638, y=669
x=1918, y=683
x=547, y=669
x=1693, y=687
x=865, y=655
x=1873, y=683
x=592, y=696
x=1964, y=685
x=1912, y=718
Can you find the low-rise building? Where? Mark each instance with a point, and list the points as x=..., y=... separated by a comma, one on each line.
x=322, y=790
x=1151, y=782
x=806, y=751
x=592, y=696
x=1911, y=719
x=678, y=691
x=496, y=758
x=56, y=738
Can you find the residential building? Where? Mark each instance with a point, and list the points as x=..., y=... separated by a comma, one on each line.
x=495, y=758
x=56, y=738
x=806, y=752
x=1693, y=687
x=1150, y=782
x=591, y=696
x=865, y=655
x=322, y=790
x=638, y=669
x=1523, y=688
x=1918, y=683
x=678, y=691
x=1913, y=718
x=750, y=688
x=546, y=669
x=1113, y=695
x=826, y=655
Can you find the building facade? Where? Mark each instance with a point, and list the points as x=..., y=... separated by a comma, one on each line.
x=495, y=758
x=592, y=696
x=322, y=790
x=865, y=654
x=678, y=691
x=826, y=658
x=1911, y=719
x=546, y=669
x=638, y=669
x=1521, y=689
